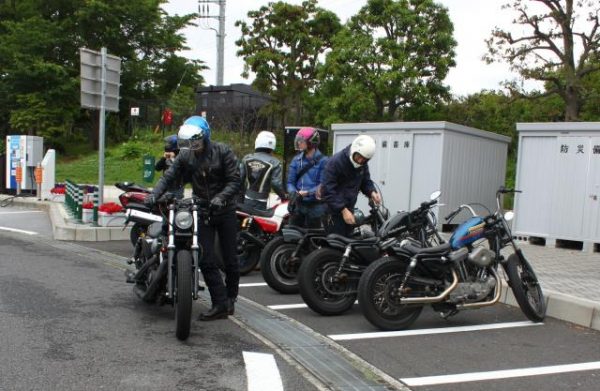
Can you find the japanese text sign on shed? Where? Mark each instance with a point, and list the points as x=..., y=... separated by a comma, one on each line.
x=92, y=65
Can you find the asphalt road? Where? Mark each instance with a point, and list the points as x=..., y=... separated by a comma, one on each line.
x=68, y=321
x=496, y=349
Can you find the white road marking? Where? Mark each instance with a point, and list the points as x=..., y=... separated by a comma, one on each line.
x=440, y=330
x=278, y=307
x=18, y=231
x=250, y=284
x=287, y=306
x=27, y=211
x=503, y=374
x=262, y=372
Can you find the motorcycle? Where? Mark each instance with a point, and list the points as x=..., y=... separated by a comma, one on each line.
x=460, y=274
x=166, y=259
x=282, y=256
x=257, y=227
x=328, y=277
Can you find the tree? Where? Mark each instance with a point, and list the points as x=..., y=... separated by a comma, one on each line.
x=39, y=60
x=548, y=52
x=393, y=54
x=282, y=47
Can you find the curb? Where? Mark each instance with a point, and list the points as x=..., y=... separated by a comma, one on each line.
x=569, y=308
x=63, y=229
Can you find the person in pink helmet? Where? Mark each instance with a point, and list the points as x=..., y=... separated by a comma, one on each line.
x=304, y=179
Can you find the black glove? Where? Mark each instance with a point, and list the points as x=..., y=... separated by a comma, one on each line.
x=149, y=201
x=217, y=203
x=292, y=197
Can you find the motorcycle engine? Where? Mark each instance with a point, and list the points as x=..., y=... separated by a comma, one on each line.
x=467, y=292
x=481, y=256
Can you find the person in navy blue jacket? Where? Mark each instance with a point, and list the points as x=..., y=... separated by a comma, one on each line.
x=347, y=173
x=304, y=178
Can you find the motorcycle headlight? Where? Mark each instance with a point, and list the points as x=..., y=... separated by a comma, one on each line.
x=183, y=220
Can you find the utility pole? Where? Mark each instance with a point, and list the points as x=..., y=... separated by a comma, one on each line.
x=205, y=13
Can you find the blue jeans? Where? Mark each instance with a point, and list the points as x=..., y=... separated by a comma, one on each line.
x=308, y=215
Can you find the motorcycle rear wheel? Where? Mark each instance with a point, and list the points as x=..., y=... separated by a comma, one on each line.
x=277, y=270
x=314, y=281
x=183, y=295
x=374, y=296
x=136, y=231
x=525, y=287
x=248, y=255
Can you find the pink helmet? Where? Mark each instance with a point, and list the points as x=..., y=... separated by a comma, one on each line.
x=308, y=135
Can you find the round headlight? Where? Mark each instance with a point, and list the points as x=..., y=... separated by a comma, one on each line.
x=183, y=220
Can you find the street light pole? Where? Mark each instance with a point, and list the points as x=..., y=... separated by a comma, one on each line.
x=204, y=11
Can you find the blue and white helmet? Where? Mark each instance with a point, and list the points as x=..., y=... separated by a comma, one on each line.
x=194, y=134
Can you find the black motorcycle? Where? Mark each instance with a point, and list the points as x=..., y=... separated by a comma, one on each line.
x=167, y=257
x=328, y=277
x=283, y=254
x=460, y=274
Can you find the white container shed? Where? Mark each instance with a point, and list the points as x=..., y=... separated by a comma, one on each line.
x=414, y=159
x=558, y=170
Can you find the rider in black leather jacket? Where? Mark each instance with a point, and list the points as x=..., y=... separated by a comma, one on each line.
x=213, y=170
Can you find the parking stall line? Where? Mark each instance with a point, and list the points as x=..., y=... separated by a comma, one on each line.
x=252, y=284
x=20, y=231
x=287, y=306
x=503, y=374
x=440, y=330
x=262, y=372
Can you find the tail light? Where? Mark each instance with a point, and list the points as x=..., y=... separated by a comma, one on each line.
x=124, y=199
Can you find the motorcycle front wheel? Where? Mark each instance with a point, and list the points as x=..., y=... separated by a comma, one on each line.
x=525, y=287
x=183, y=295
x=278, y=269
x=378, y=299
x=318, y=286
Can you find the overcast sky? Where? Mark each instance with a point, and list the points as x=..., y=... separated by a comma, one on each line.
x=473, y=21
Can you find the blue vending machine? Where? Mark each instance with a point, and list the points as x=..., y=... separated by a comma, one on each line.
x=26, y=151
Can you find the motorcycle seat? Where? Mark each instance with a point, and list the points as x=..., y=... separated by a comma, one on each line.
x=347, y=240
x=440, y=250
x=255, y=212
x=128, y=186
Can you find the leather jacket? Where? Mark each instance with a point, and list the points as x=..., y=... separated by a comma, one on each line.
x=213, y=172
x=260, y=172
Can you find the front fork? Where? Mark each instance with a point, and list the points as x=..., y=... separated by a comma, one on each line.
x=195, y=254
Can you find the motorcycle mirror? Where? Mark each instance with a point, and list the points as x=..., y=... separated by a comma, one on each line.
x=435, y=195
x=508, y=216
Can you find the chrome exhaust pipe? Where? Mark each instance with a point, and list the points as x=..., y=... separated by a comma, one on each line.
x=494, y=300
x=435, y=299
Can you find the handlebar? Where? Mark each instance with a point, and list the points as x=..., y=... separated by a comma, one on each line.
x=503, y=190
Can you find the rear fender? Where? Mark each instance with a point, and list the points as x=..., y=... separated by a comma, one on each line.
x=291, y=235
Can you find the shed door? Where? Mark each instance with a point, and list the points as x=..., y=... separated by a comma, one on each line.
x=568, y=197
x=592, y=195
x=398, y=162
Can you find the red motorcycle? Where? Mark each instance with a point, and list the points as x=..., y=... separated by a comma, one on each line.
x=135, y=194
x=257, y=227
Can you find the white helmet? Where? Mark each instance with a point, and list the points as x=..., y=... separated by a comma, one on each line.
x=265, y=139
x=364, y=146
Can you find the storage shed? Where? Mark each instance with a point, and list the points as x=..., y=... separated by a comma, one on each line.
x=558, y=170
x=414, y=159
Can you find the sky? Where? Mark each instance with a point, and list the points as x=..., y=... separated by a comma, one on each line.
x=473, y=22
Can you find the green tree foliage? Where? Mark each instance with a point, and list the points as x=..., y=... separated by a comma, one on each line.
x=282, y=46
x=39, y=60
x=392, y=55
x=548, y=50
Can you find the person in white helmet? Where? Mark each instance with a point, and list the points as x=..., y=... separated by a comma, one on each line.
x=260, y=172
x=345, y=175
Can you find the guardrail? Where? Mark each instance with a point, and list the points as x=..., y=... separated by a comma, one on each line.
x=76, y=195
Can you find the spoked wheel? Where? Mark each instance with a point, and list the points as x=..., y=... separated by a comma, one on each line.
x=321, y=290
x=379, y=298
x=248, y=255
x=183, y=295
x=526, y=288
x=137, y=230
x=278, y=268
